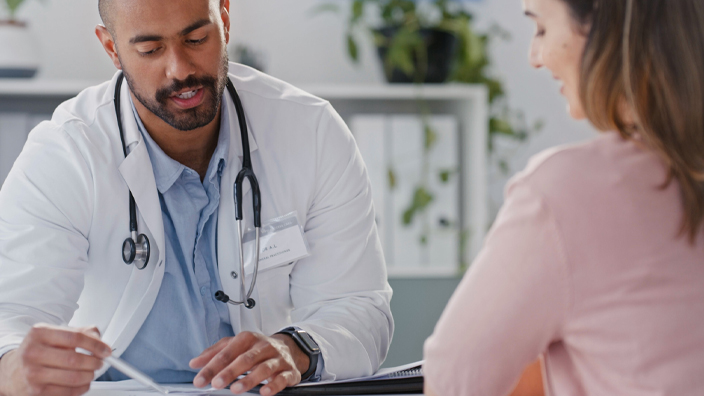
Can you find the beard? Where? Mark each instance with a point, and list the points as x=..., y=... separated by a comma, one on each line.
x=186, y=119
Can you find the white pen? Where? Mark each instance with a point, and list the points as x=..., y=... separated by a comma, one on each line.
x=133, y=373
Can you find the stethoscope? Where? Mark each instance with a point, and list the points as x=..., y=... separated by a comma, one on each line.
x=136, y=248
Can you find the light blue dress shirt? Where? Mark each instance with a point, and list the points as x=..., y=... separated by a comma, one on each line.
x=186, y=318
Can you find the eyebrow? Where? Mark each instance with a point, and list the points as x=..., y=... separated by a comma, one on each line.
x=154, y=37
x=530, y=14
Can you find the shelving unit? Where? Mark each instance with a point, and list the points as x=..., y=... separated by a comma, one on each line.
x=468, y=103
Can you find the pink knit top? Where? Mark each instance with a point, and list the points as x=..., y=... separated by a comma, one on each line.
x=584, y=266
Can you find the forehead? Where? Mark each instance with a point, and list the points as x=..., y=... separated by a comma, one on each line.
x=160, y=17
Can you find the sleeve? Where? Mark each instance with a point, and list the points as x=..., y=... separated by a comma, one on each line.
x=340, y=293
x=508, y=308
x=45, y=216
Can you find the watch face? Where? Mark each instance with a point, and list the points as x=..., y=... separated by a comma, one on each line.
x=308, y=340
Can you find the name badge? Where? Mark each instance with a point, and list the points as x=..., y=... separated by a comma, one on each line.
x=281, y=242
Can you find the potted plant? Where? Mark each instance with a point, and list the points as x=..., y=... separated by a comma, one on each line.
x=433, y=41
x=19, y=55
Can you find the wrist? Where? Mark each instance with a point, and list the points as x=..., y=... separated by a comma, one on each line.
x=5, y=373
x=300, y=358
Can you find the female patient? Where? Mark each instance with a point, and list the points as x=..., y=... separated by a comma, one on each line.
x=595, y=263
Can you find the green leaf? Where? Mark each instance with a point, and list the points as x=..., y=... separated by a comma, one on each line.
x=431, y=137
x=445, y=174
x=357, y=10
x=352, y=48
x=13, y=6
x=392, y=179
x=421, y=199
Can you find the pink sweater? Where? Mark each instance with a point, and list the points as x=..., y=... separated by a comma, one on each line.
x=583, y=265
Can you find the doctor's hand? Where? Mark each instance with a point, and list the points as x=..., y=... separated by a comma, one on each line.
x=276, y=359
x=47, y=364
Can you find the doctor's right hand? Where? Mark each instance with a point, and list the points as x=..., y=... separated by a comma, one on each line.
x=47, y=364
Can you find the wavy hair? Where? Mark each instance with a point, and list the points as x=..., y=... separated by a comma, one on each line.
x=655, y=69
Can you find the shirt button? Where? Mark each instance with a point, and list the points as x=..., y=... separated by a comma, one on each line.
x=203, y=290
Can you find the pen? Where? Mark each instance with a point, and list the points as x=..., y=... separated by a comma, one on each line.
x=132, y=372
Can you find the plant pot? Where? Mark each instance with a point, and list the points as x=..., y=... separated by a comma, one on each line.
x=441, y=48
x=19, y=52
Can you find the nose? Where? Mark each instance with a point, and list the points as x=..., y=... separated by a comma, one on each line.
x=535, y=54
x=179, y=65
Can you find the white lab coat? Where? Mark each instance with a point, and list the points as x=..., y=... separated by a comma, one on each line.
x=64, y=215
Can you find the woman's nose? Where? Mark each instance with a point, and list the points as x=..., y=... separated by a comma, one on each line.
x=535, y=57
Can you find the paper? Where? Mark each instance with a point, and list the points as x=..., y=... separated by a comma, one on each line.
x=174, y=389
x=379, y=375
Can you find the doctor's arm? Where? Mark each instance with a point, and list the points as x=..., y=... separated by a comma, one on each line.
x=340, y=293
x=43, y=255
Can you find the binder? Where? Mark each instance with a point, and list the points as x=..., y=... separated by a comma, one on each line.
x=405, y=380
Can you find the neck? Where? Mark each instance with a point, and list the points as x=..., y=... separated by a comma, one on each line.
x=193, y=148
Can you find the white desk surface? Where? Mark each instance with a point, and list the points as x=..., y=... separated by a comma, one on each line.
x=106, y=389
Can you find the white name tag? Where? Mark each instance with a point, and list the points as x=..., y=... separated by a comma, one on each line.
x=281, y=242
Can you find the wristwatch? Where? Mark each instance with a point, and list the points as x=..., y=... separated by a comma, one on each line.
x=307, y=345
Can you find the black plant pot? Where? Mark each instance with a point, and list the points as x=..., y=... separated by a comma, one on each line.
x=441, y=48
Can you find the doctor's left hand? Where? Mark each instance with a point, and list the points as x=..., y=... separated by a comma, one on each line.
x=276, y=359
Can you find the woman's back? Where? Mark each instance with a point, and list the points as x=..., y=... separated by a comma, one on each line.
x=586, y=264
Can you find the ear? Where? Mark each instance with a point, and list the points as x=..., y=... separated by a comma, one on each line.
x=225, y=15
x=108, y=44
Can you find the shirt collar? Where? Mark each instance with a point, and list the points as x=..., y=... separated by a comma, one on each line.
x=167, y=170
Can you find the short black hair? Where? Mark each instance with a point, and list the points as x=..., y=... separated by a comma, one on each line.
x=106, y=10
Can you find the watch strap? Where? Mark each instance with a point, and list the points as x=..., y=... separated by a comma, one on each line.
x=308, y=346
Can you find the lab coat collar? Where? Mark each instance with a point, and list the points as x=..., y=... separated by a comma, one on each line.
x=235, y=140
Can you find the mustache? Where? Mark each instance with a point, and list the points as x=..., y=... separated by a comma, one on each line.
x=208, y=82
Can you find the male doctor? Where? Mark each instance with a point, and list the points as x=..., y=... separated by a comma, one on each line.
x=64, y=214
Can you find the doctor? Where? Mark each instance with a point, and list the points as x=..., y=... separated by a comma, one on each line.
x=64, y=214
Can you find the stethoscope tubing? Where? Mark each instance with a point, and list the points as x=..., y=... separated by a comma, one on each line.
x=136, y=249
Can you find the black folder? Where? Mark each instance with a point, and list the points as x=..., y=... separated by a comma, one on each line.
x=400, y=382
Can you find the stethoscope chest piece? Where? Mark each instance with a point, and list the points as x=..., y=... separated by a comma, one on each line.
x=136, y=251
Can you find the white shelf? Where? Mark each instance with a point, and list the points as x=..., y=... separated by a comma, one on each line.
x=43, y=87
x=397, y=91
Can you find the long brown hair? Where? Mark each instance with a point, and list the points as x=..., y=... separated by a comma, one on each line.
x=657, y=72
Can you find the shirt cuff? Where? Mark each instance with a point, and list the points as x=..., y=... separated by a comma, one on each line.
x=320, y=367
x=9, y=348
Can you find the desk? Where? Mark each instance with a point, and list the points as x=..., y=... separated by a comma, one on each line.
x=132, y=389
x=141, y=393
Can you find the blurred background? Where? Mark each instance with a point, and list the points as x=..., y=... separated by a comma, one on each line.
x=439, y=95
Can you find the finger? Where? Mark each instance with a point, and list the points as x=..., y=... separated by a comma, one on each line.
x=46, y=356
x=228, y=366
x=236, y=346
x=69, y=339
x=278, y=383
x=61, y=378
x=56, y=390
x=91, y=331
x=262, y=371
x=205, y=356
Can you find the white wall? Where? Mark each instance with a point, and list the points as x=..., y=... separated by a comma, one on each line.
x=302, y=48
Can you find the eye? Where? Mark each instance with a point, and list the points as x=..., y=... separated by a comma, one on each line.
x=198, y=41
x=539, y=32
x=147, y=53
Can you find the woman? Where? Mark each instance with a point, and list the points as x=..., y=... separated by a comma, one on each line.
x=595, y=264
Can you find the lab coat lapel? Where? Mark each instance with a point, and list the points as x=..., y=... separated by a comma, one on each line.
x=228, y=245
x=143, y=287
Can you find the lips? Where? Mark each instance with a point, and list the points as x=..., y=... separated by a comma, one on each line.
x=188, y=98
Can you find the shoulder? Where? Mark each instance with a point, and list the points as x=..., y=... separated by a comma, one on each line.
x=600, y=167
x=255, y=84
